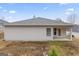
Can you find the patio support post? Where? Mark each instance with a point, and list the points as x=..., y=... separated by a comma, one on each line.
x=71, y=33
x=52, y=33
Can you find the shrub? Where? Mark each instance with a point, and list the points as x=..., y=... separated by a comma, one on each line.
x=54, y=52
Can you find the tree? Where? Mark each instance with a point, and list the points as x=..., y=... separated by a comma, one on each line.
x=72, y=18
x=59, y=19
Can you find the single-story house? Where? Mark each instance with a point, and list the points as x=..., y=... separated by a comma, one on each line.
x=38, y=29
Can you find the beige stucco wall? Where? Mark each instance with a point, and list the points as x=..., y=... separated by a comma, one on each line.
x=27, y=33
x=30, y=33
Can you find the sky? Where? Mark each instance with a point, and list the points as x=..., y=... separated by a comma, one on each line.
x=20, y=11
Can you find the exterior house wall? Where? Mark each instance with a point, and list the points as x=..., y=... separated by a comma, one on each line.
x=63, y=32
x=30, y=33
x=27, y=33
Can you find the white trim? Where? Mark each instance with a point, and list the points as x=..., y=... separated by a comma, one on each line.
x=71, y=33
x=52, y=32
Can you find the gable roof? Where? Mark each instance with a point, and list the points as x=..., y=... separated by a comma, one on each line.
x=39, y=21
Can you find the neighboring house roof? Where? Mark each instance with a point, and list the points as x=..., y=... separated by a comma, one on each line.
x=75, y=28
x=39, y=21
x=2, y=22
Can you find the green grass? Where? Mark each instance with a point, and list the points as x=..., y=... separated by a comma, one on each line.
x=55, y=48
x=54, y=51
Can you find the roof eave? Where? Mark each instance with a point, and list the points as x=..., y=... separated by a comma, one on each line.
x=34, y=25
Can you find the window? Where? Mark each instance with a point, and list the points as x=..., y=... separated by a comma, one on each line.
x=59, y=32
x=54, y=30
x=48, y=31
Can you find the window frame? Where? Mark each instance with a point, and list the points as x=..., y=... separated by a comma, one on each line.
x=48, y=31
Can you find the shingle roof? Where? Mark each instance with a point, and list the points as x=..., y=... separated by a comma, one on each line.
x=38, y=21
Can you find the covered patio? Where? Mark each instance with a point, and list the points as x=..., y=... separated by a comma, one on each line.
x=62, y=33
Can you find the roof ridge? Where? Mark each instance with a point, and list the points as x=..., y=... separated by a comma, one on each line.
x=33, y=19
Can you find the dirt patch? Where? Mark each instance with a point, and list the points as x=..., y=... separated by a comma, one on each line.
x=19, y=48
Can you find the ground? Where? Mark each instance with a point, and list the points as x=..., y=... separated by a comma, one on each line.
x=20, y=48
x=66, y=48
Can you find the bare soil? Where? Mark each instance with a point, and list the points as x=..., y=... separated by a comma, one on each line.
x=23, y=48
x=20, y=48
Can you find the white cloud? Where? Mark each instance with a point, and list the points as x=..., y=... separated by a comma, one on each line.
x=69, y=11
x=12, y=11
x=45, y=8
